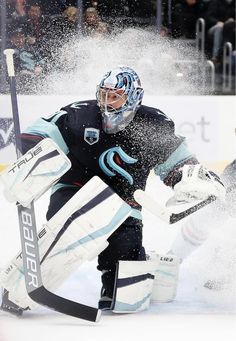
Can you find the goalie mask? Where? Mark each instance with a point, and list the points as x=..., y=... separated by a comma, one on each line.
x=119, y=95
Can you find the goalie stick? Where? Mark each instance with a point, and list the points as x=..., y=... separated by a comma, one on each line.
x=27, y=224
x=163, y=213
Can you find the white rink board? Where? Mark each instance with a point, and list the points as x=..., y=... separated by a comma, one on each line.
x=208, y=122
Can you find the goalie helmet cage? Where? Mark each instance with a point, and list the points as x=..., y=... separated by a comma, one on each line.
x=28, y=232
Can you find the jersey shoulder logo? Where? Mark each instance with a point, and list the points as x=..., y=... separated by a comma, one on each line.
x=91, y=135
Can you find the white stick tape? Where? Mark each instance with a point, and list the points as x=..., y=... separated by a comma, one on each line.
x=10, y=62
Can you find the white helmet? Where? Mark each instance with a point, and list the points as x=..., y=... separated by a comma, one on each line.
x=123, y=85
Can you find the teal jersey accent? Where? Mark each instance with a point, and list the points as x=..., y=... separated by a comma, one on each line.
x=121, y=306
x=180, y=155
x=136, y=214
x=57, y=115
x=61, y=185
x=44, y=128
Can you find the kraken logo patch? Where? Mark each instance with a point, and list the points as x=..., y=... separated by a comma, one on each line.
x=107, y=158
x=91, y=135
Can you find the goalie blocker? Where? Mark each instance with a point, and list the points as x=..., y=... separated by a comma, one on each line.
x=34, y=172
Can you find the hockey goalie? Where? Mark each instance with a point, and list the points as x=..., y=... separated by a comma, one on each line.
x=78, y=232
x=103, y=151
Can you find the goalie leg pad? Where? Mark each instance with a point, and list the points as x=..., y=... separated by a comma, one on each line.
x=91, y=216
x=133, y=286
x=166, y=277
x=35, y=172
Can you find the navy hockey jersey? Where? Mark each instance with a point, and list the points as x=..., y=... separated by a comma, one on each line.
x=122, y=160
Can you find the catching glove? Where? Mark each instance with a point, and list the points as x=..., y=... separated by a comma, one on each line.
x=197, y=183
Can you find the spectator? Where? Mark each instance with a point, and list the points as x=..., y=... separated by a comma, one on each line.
x=60, y=31
x=20, y=8
x=220, y=14
x=66, y=25
x=94, y=3
x=70, y=23
x=92, y=23
x=15, y=8
x=184, y=18
x=28, y=62
x=63, y=28
x=229, y=32
x=35, y=21
x=37, y=30
x=102, y=29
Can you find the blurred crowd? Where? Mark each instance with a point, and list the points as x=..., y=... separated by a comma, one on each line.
x=36, y=29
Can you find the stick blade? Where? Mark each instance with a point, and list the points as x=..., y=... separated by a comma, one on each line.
x=44, y=297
